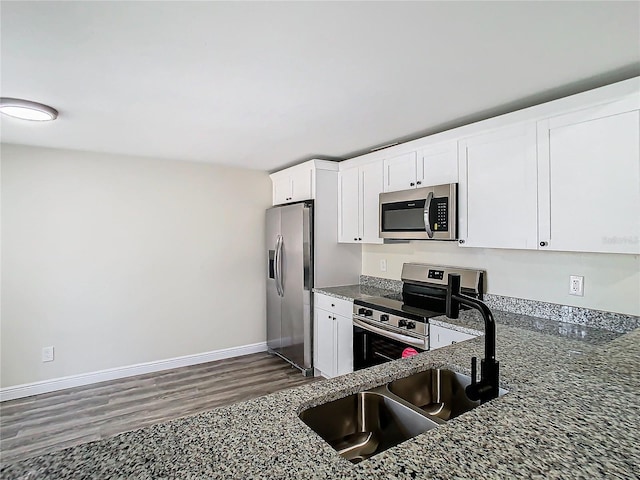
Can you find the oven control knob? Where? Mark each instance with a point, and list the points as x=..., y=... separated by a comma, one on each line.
x=402, y=322
x=384, y=317
x=361, y=311
x=411, y=325
x=368, y=313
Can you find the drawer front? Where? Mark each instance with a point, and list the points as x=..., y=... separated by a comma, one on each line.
x=334, y=305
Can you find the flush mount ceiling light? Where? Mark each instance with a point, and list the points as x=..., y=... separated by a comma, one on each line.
x=26, y=110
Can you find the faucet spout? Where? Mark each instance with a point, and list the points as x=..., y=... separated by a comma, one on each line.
x=488, y=386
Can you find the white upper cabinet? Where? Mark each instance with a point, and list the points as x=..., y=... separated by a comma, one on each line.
x=400, y=173
x=371, y=188
x=589, y=174
x=301, y=183
x=349, y=206
x=497, y=195
x=431, y=165
x=358, y=192
x=282, y=189
x=293, y=184
x=437, y=164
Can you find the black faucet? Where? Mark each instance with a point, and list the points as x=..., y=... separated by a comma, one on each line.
x=487, y=388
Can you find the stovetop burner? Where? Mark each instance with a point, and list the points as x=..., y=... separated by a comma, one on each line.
x=396, y=306
x=424, y=291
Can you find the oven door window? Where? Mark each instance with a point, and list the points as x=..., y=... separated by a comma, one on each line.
x=371, y=349
x=403, y=216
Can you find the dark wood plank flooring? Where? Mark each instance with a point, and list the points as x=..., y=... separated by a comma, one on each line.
x=52, y=421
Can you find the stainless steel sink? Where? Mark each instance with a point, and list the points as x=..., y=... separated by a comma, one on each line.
x=364, y=424
x=436, y=392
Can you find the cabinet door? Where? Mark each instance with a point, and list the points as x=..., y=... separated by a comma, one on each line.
x=349, y=206
x=400, y=172
x=344, y=345
x=589, y=170
x=325, y=342
x=301, y=183
x=371, y=177
x=281, y=189
x=438, y=164
x=498, y=189
x=441, y=337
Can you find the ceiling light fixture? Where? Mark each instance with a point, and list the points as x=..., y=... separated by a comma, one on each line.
x=27, y=110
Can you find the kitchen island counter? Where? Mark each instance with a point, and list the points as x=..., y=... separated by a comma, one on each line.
x=572, y=412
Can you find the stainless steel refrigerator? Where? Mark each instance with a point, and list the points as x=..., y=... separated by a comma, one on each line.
x=290, y=277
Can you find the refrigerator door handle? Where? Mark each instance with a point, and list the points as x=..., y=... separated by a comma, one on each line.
x=278, y=266
x=275, y=264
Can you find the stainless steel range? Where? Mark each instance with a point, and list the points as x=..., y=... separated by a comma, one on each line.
x=385, y=327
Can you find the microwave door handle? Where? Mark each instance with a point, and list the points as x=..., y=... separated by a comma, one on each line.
x=427, y=207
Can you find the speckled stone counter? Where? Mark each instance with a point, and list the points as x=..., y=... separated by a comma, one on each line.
x=353, y=292
x=572, y=412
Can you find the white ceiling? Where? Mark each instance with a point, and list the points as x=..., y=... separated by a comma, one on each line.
x=268, y=84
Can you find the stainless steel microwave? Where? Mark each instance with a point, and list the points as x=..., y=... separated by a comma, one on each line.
x=427, y=213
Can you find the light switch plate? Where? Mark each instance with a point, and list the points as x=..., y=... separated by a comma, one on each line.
x=47, y=354
x=383, y=265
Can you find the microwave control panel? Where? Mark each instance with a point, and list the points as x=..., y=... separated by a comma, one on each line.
x=441, y=206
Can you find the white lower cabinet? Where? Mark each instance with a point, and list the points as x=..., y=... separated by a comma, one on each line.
x=333, y=340
x=441, y=337
x=325, y=345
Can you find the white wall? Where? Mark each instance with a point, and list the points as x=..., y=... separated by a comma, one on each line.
x=120, y=260
x=612, y=282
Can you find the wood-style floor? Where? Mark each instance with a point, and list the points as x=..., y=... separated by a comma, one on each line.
x=45, y=423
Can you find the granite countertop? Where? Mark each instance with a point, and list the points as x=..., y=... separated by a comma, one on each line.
x=355, y=292
x=571, y=412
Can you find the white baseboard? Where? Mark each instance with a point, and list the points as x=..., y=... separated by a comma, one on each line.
x=46, y=386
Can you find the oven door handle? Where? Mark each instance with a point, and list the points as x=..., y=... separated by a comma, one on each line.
x=414, y=342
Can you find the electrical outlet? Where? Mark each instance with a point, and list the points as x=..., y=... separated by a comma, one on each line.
x=47, y=354
x=576, y=285
x=383, y=265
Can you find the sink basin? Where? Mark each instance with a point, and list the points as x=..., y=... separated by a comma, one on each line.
x=364, y=424
x=437, y=392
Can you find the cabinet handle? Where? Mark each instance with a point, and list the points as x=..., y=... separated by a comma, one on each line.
x=412, y=184
x=359, y=239
x=333, y=305
x=543, y=244
x=460, y=241
x=418, y=182
x=355, y=239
